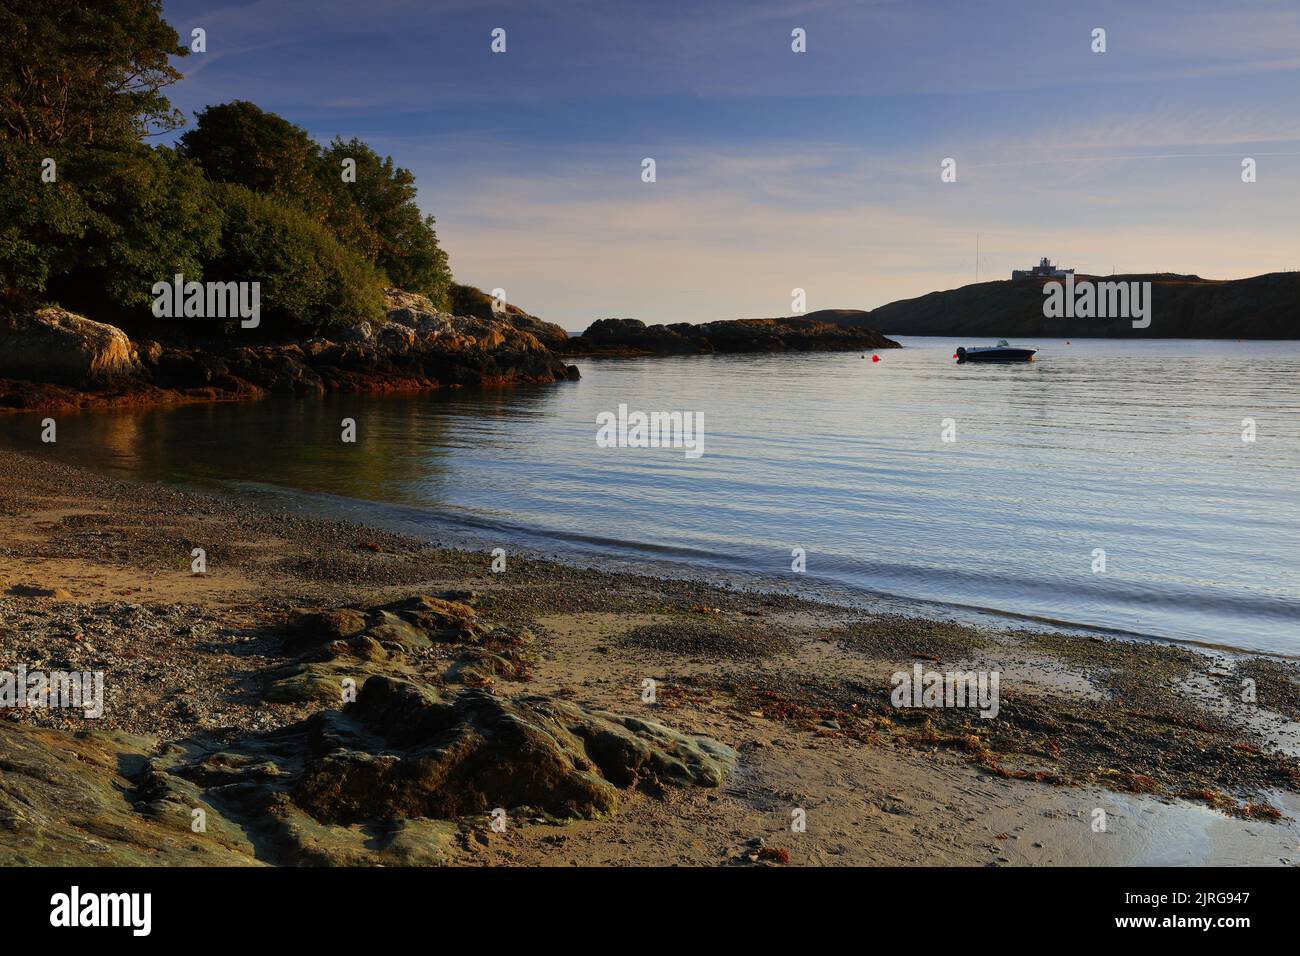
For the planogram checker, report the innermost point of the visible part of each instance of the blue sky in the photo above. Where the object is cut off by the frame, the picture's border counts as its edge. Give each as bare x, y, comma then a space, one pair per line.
777, 170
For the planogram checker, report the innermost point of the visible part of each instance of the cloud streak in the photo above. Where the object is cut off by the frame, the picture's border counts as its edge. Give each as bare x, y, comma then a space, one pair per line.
780, 170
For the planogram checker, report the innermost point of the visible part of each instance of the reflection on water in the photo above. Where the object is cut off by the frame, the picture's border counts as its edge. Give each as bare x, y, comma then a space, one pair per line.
1130, 447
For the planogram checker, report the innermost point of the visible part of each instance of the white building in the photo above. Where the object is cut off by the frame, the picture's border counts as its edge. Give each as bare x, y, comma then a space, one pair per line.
1044, 269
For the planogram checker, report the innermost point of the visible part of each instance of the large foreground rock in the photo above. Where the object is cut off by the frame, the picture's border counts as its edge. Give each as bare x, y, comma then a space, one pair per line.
418, 751
356, 643
396, 778
53, 345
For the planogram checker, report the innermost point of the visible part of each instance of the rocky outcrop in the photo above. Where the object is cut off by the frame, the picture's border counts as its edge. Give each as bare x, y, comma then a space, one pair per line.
53, 345
631, 337
452, 752
403, 774
467, 300
354, 644
416, 347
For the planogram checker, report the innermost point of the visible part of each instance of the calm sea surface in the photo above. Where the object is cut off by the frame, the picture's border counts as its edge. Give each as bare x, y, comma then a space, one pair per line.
1133, 448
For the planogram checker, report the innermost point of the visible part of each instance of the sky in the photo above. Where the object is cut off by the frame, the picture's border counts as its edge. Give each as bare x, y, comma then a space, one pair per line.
777, 170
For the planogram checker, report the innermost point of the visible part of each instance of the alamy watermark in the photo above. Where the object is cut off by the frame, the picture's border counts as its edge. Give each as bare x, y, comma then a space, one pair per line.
626, 429
1098, 300
208, 300
923, 688
74, 908
79, 690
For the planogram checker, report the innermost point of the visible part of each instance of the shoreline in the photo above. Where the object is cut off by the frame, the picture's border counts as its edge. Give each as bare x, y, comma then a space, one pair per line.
637, 558
797, 690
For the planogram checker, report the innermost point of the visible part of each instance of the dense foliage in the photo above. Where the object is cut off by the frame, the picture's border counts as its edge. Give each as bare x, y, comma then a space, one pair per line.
372, 210
75, 72
91, 217
309, 280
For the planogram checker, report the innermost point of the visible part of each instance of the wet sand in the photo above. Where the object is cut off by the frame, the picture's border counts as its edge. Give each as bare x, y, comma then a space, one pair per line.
1155, 739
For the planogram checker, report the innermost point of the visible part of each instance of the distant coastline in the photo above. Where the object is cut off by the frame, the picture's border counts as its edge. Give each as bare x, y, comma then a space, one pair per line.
1183, 307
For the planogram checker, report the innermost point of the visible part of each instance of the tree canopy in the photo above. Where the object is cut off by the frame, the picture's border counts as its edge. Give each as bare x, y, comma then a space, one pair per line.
370, 205
85, 73
91, 216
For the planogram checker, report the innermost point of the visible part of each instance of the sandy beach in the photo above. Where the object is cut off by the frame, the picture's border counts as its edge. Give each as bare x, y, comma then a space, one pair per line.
813, 763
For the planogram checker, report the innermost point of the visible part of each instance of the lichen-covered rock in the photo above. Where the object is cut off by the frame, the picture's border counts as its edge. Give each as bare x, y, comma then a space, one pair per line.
395, 778
349, 643
407, 749
69, 799
470, 301
322, 627
52, 359
53, 345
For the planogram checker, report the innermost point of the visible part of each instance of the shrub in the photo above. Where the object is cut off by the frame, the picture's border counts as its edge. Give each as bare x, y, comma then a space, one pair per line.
310, 282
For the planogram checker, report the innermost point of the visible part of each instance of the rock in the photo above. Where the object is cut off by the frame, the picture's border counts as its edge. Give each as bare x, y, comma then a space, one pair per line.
148, 352
469, 301
35, 590
53, 345
384, 781
279, 369
407, 748
68, 800
322, 627
802, 334
441, 620
416, 347
393, 632
361, 332
359, 643
395, 337
415, 621
478, 668
416, 751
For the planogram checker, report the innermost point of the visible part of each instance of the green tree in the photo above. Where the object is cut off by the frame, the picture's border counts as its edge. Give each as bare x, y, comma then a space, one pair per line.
376, 214
310, 282
114, 221
408, 254
41, 224
76, 72
241, 143
149, 216
81, 84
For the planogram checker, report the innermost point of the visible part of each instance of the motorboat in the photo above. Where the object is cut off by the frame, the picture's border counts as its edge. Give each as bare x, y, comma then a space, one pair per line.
1002, 352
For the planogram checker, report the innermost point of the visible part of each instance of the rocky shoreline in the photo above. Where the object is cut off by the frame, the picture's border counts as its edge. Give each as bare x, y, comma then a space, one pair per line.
629, 338
53, 360
328, 693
